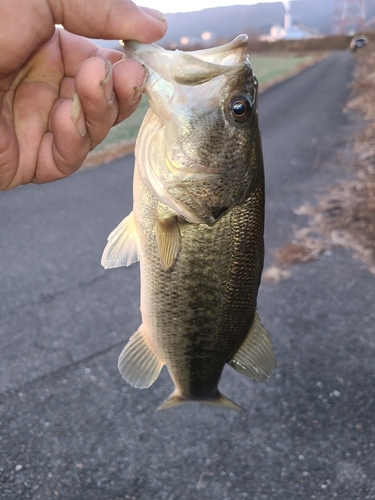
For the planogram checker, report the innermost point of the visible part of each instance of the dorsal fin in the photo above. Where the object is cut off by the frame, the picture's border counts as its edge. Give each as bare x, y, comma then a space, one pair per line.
255, 358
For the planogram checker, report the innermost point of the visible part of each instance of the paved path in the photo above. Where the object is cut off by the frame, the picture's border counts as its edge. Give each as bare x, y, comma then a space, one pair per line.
70, 428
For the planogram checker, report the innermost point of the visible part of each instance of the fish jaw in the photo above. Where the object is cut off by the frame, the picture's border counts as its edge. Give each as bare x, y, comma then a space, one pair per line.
174, 77
228, 54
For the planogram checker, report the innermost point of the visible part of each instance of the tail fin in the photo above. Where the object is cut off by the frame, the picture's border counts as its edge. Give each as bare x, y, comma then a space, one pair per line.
222, 402
176, 399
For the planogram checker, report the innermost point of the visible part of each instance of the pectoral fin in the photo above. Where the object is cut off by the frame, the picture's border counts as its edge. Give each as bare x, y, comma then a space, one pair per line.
169, 241
190, 206
122, 247
138, 363
255, 358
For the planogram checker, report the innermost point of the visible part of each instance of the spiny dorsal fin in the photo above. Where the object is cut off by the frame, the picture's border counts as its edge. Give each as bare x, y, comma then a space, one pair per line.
255, 358
138, 363
122, 247
169, 241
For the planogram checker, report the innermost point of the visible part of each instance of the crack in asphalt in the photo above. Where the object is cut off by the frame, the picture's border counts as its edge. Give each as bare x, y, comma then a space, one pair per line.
50, 297
59, 370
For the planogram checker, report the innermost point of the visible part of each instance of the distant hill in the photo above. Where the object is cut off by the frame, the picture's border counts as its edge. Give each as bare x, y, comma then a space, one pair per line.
224, 22
227, 22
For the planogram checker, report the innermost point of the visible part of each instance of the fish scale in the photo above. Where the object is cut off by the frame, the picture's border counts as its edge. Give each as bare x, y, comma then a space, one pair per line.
197, 225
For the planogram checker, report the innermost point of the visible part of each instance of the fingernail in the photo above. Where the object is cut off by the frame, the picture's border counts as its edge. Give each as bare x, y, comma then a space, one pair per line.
107, 83
77, 115
138, 90
156, 14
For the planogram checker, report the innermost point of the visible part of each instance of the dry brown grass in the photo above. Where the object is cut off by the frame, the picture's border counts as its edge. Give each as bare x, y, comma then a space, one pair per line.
109, 153
345, 213
320, 44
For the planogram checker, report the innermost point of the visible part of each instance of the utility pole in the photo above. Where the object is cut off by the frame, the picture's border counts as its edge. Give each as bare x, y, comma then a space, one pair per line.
337, 13
349, 16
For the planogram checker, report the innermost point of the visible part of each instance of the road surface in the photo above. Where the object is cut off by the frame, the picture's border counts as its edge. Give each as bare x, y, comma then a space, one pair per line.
71, 428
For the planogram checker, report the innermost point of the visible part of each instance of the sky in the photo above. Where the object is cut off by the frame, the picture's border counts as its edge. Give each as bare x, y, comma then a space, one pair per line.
168, 6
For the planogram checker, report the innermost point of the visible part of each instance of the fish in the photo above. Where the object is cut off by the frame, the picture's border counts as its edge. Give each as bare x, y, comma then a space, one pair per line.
197, 224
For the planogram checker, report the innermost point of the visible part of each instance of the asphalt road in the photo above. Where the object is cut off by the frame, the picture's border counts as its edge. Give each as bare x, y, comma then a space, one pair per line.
71, 428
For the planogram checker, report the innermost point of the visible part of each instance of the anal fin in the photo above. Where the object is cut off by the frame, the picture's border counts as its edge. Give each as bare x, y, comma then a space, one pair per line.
122, 247
255, 358
169, 241
138, 363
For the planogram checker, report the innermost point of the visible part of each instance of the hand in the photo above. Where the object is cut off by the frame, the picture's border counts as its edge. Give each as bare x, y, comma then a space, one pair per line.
59, 93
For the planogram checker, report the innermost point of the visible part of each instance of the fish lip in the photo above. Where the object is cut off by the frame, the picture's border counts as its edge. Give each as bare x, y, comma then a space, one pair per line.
206, 64
239, 41
173, 74
130, 46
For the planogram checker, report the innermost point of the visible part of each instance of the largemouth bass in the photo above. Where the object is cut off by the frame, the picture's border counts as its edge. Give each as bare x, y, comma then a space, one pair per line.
197, 224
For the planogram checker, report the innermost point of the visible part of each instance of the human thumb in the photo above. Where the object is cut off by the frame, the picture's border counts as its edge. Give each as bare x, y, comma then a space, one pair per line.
109, 19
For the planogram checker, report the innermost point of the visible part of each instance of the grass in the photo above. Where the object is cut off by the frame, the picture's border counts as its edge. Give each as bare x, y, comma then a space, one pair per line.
267, 68
126, 130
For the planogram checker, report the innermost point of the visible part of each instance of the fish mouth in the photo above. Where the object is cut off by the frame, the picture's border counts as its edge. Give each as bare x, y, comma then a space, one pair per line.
190, 68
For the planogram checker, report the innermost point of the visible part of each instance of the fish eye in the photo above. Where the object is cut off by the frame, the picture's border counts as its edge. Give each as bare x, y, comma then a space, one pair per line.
240, 108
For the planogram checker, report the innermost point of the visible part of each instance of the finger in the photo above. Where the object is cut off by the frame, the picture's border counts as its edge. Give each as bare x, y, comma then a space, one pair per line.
67, 88
76, 129
76, 49
109, 19
94, 86
129, 80
24, 26
63, 150
8, 155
